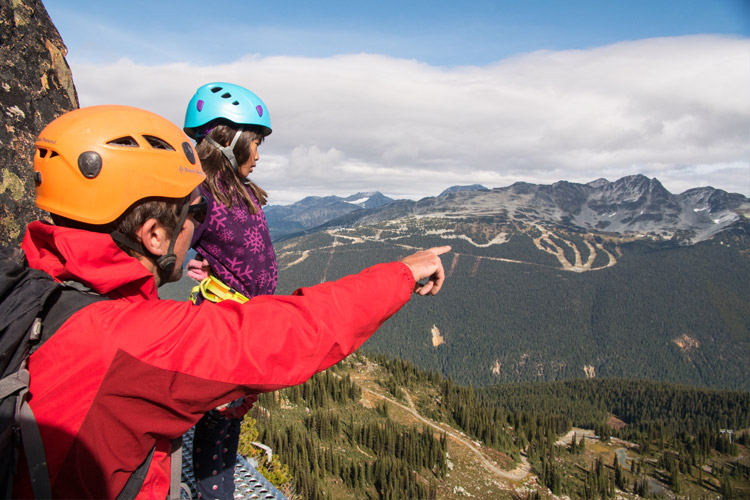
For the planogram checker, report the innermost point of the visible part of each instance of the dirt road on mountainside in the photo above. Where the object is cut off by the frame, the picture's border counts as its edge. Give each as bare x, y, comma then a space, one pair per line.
515, 475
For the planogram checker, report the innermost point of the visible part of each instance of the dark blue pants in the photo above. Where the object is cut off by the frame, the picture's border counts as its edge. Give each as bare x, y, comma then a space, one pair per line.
214, 455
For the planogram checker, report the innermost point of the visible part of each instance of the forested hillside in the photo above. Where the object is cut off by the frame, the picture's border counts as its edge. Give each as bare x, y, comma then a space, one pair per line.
539, 304
375, 427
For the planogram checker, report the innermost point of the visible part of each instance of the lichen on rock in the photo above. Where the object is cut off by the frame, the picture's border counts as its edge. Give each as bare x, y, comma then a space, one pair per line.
36, 86
10, 182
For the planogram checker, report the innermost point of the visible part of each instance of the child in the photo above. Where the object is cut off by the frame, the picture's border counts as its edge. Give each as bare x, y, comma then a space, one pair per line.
233, 244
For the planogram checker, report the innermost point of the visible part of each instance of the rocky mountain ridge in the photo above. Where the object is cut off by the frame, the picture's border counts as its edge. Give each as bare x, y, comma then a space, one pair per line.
631, 206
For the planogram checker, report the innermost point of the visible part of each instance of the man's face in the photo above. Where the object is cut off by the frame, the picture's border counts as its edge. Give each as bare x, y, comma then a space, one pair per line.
184, 237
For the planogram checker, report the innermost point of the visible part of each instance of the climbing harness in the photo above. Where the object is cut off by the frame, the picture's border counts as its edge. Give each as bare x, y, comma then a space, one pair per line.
214, 290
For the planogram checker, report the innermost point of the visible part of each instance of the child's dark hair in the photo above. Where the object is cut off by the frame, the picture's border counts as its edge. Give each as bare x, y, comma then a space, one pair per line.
221, 178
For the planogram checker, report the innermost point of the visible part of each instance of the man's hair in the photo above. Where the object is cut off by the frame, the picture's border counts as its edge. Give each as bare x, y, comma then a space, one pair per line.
221, 179
164, 210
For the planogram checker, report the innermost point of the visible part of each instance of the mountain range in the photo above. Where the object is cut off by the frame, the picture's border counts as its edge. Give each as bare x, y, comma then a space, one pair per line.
315, 210
631, 206
549, 282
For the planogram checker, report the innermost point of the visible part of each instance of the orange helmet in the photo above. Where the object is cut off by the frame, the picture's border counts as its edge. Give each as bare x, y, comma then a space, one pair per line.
91, 164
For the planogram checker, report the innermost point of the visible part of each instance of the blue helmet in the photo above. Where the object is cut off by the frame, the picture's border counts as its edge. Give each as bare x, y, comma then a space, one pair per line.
226, 101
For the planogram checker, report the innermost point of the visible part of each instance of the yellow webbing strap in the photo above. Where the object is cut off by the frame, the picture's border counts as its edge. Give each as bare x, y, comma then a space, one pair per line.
214, 290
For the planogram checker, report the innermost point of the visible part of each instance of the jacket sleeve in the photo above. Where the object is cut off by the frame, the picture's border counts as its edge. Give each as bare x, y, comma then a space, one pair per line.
270, 342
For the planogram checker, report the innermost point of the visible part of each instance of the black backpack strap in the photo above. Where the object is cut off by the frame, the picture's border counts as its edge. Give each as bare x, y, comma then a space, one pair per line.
32, 443
135, 481
9, 435
12, 383
68, 301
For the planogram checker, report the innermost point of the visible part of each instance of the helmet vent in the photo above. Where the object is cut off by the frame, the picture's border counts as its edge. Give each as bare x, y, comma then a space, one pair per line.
127, 141
236, 103
43, 153
226, 95
217, 89
158, 143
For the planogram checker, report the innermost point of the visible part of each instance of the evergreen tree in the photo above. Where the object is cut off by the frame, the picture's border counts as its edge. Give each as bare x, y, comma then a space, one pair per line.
619, 476
727, 492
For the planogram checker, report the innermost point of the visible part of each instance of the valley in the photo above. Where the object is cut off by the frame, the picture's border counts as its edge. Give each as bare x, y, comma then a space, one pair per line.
511, 442
463, 444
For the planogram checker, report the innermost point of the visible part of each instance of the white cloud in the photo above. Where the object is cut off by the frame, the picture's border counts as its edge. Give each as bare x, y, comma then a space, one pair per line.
673, 108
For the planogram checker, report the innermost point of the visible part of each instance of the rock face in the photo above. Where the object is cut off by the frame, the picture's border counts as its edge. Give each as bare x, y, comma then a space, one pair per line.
36, 86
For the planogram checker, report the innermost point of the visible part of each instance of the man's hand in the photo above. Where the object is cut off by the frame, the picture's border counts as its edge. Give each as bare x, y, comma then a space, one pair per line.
427, 264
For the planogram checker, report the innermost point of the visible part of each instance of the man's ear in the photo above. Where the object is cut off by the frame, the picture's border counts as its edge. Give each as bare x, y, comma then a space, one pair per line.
153, 236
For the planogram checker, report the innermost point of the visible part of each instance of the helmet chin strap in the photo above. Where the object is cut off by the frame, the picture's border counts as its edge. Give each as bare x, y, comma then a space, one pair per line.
166, 262
228, 151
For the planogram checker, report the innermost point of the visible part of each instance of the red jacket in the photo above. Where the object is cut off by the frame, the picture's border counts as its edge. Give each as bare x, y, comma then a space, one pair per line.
120, 374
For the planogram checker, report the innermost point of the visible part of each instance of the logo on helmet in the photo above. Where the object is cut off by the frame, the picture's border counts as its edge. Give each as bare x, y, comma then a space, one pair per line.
90, 164
186, 170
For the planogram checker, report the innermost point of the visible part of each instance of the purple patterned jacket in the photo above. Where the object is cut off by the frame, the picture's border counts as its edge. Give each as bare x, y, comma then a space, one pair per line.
238, 246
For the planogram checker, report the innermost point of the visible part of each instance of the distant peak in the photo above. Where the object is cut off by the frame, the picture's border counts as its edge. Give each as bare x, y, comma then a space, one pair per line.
370, 199
366, 194
472, 187
598, 183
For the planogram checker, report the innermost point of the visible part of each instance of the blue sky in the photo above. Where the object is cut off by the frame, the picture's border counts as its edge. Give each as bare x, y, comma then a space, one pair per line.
436, 32
533, 91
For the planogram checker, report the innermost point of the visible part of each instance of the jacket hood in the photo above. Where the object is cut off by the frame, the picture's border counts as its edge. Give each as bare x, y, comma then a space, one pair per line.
92, 259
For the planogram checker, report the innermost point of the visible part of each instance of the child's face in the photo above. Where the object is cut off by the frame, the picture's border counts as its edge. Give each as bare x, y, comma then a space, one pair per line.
247, 167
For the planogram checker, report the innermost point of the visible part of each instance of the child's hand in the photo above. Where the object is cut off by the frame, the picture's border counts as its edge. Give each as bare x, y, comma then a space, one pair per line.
198, 269
239, 411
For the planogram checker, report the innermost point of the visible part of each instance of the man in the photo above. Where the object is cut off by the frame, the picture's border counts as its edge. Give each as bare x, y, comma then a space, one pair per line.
125, 375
